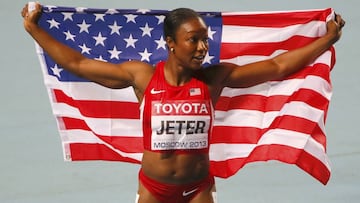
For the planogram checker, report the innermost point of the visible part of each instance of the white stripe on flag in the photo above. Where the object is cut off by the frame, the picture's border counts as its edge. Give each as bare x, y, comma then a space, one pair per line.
245, 34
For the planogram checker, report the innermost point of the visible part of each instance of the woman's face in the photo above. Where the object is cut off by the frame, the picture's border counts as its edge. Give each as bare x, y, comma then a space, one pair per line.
191, 44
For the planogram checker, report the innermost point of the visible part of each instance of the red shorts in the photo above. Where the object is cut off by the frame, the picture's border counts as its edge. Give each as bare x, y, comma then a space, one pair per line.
171, 193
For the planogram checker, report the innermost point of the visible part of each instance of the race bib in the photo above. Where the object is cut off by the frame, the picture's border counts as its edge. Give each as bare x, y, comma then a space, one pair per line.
180, 124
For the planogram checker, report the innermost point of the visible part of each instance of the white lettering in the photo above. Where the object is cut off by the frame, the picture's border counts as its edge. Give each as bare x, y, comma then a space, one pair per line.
157, 107
186, 108
164, 145
196, 106
181, 108
177, 107
167, 108
203, 109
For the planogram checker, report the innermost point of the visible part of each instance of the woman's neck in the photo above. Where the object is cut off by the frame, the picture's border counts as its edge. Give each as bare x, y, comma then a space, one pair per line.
177, 75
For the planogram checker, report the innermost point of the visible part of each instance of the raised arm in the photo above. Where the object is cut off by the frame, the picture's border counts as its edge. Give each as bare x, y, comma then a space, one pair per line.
106, 74
281, 65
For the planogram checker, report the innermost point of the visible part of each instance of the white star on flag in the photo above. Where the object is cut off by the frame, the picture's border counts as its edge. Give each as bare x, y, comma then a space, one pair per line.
100, 58
143, 11
115, 28
84, 27
114, 53
99, 16
146, 30
84, 49
161, 19
130, 18
161, 43
56, 70
130, 41
69, 36
145, 56
208, 58
53, 23
211, 33
80, 9
100, 39
68, 16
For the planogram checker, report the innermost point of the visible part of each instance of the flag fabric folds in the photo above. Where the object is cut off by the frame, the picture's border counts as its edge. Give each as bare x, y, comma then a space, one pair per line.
277, 120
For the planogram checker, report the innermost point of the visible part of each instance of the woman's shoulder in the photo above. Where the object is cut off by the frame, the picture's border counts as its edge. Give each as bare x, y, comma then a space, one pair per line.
134, 64
216, 71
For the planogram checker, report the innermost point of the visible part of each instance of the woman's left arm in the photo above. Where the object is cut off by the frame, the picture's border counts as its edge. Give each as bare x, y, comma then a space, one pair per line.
283, 64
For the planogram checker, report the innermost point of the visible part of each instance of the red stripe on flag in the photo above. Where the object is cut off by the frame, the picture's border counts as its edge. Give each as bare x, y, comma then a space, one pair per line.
318, 69
84, 151
100, 109
124, 143
236, 134
74, 123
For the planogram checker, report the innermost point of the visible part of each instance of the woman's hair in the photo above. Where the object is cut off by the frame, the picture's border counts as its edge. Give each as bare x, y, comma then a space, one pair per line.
177, 17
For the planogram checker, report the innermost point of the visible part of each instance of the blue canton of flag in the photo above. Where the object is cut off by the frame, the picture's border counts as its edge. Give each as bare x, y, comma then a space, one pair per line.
115, 35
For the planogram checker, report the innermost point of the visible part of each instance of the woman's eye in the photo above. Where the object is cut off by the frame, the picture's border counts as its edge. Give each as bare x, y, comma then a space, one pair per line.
192, 39
196, 40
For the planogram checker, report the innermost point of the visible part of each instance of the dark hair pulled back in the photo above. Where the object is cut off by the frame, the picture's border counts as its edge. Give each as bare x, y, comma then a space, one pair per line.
177, 17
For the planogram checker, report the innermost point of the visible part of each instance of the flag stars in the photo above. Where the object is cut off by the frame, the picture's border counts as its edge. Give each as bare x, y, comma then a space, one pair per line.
53, 23
68, 16
130, 18
56, 71
69, 36
161, 43
208, 58
145, 56
100, 58
50, 8
111, 11
115, 28
85, 49
84, 27
99, 39
143, 11
146, 30
160, 18
99, 16
114, 53
80, 9
130, 41
211, 33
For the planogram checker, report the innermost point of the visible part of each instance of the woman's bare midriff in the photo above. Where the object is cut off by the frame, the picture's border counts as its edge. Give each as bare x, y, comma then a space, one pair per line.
175, 168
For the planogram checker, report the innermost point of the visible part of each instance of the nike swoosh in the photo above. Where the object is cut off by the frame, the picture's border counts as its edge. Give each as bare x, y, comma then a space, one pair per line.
153, 91
186, 193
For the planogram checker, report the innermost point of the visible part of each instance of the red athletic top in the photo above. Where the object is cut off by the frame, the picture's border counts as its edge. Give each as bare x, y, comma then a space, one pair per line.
176, 118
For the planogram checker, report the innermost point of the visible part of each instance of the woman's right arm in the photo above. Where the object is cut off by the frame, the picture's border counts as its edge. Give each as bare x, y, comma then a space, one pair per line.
103, 73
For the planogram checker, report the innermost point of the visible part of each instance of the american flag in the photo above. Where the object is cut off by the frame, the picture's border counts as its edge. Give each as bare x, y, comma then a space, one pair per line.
277, 120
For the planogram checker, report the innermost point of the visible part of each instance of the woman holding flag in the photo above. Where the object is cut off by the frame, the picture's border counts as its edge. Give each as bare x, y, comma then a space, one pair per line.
177, 98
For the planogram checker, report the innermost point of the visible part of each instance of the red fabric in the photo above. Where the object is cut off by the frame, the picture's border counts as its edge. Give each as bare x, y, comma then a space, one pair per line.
170, 193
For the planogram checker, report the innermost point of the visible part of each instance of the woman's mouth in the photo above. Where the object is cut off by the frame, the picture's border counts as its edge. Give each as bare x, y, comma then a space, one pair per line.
199, 59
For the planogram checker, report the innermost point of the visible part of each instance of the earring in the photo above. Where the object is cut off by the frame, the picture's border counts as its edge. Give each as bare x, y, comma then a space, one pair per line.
172, 49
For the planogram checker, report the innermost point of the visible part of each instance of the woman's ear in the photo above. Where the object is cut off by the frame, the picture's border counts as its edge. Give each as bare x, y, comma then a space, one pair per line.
170, 43
169, 40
